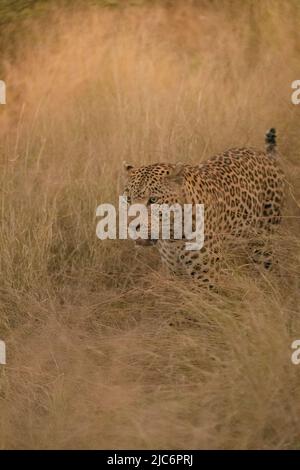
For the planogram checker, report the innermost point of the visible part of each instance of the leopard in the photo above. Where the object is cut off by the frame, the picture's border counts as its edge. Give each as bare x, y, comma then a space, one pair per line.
243, 192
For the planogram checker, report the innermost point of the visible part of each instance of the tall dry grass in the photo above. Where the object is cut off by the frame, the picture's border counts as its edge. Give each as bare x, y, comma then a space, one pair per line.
92, 361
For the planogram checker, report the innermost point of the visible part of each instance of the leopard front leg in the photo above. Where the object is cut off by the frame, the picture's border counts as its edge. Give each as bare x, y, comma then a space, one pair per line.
202, 265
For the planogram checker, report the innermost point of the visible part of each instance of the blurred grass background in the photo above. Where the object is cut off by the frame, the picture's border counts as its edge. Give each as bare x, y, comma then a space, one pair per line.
92, 359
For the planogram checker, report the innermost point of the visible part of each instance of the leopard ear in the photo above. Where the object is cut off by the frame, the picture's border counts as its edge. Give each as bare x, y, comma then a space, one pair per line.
127, 167
176, 173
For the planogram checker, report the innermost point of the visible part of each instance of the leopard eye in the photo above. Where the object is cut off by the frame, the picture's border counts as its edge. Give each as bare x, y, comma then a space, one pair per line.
153, 200
128, 199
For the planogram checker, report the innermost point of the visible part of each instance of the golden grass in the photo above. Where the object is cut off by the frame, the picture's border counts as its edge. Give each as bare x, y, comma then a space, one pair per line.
92, 359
